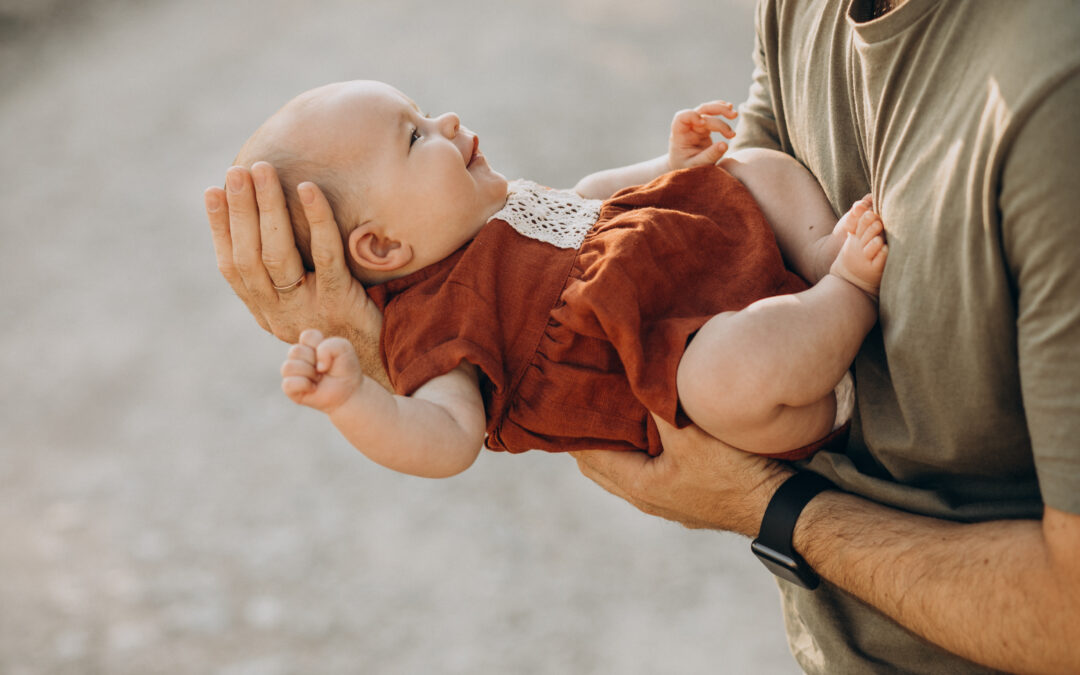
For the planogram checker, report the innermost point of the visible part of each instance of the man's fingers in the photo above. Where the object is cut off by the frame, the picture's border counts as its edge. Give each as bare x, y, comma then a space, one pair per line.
244, 229
628, 476
613, 470
327, 251
217, 213
589, 470
279, 253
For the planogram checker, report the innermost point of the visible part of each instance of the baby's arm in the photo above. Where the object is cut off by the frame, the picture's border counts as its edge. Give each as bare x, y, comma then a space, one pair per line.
436, 432
690, 144
793, 202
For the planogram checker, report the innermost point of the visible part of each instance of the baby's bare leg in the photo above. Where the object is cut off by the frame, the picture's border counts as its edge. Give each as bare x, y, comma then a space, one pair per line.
762, 378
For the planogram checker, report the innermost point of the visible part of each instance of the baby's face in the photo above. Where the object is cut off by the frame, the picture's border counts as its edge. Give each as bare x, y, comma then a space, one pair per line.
424, 180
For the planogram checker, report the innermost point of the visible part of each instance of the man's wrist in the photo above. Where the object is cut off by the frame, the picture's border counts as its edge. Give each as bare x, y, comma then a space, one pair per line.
763, 494
775, 543
802, 538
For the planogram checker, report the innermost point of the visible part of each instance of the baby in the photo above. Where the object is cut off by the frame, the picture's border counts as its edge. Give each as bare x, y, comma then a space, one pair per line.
549, 319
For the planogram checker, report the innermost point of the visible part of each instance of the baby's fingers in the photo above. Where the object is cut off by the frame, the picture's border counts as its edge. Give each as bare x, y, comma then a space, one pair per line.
338, 352
302, 352
717, 125
297, 388
882, 254
712, 154
873, 247
299, 368
717, 108
311, 338
690, 119
298, 376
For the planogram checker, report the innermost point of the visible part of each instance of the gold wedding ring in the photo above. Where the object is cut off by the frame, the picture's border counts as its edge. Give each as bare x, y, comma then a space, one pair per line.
291, 287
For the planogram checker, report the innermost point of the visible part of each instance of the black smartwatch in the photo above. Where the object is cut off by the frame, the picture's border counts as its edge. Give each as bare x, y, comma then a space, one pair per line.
773, 544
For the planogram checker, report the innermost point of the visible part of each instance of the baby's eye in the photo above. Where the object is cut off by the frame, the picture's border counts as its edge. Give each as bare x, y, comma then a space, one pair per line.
414, 137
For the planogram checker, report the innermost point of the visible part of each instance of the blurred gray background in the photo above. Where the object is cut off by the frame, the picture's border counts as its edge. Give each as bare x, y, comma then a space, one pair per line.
164, 508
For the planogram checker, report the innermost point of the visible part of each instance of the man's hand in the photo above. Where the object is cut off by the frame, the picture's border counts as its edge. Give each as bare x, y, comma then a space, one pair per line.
255, 251
691, 141
697, 481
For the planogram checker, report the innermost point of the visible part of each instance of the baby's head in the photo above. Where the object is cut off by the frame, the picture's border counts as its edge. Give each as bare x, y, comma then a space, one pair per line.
407, 189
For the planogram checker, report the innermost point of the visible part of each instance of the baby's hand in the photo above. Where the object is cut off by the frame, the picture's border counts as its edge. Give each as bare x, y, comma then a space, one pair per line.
861, 260
691, 135
321, 373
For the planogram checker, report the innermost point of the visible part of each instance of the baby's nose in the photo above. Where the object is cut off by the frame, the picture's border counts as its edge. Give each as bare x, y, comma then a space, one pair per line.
449, 123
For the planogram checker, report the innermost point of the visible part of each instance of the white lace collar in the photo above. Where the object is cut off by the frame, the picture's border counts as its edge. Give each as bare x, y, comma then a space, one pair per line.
561, 218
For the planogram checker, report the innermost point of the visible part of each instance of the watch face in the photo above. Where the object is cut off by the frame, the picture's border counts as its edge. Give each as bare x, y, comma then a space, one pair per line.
785, 566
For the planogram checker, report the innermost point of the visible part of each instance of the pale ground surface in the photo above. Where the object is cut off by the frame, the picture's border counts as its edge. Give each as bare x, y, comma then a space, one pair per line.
164, 508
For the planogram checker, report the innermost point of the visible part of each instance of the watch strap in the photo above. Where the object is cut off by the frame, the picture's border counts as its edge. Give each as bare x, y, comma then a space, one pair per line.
773, 545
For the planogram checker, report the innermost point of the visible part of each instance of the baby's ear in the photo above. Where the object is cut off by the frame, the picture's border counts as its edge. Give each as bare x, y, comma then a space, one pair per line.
374, 251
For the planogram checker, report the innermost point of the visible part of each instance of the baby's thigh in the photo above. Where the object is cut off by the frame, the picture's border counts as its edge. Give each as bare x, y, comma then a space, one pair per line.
712, 379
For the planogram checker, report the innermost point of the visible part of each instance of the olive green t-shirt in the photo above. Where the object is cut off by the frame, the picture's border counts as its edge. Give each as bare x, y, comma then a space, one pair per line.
960, 117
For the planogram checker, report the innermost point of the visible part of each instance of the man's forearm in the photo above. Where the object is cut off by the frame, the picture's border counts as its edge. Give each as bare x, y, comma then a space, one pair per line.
1002, 593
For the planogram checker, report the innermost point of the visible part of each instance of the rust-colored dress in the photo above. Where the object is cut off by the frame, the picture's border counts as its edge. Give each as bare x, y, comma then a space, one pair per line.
574, 346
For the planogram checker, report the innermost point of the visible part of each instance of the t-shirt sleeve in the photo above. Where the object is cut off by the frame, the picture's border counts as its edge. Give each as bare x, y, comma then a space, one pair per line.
428, 334
1040, 211
757, 127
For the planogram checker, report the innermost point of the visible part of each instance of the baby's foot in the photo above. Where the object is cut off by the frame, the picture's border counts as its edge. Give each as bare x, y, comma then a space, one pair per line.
861, 260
